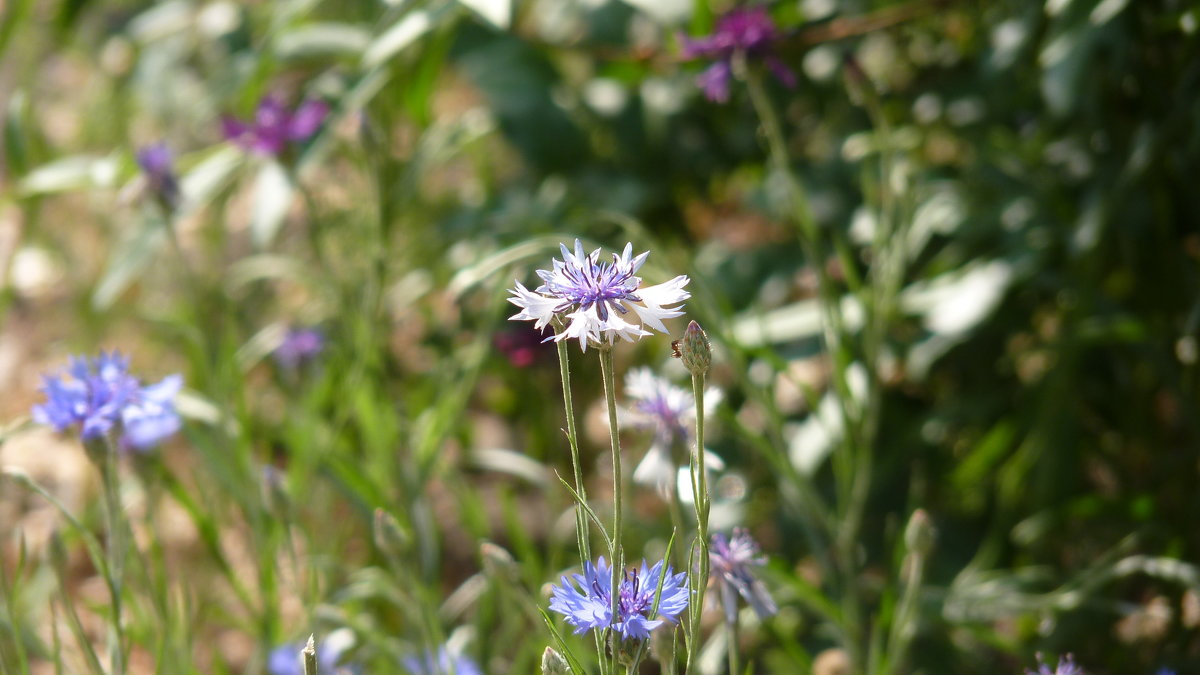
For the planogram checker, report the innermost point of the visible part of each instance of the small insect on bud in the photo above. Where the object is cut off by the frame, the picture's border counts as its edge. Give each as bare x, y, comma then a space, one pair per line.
553, 663
693, 348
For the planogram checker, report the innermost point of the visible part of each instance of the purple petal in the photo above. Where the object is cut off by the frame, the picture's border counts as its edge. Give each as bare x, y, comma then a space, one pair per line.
715, 81
781, 72
307, 120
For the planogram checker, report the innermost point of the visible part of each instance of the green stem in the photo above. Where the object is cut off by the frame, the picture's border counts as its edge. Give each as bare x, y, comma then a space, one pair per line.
581, 523
700, 500
114, 549
734, 648
618, 562
832, 330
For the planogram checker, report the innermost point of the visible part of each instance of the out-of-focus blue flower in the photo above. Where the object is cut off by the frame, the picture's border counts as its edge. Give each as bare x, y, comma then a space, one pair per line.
731, 560
1066, 666
274, 126
299, 346
287, 660
748, 31
157, 164
1165, 671
442, 663
94, 395
594, 298
670, 412
587, 603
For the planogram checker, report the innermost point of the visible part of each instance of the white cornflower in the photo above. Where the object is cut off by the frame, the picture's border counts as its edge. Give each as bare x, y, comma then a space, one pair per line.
669, 411
595, 300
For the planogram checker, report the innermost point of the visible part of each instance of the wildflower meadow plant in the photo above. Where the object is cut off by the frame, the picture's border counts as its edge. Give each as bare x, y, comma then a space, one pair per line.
669, 412
158, 166
441, 662
743, 33
274, 127
588, 602
593, 299
99, 396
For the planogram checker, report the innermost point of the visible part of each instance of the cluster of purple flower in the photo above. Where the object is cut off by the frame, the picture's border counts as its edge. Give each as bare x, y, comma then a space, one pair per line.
749, 33
98, 396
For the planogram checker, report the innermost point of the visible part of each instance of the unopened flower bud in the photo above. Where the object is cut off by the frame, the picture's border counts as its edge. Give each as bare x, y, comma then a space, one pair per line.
390, 537
693, 348
497, 562
553, 663
920, 533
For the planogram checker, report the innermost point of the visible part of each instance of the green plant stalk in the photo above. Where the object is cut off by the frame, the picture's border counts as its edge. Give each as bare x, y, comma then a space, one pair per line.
582, 537
618, 562
104, 453
700, 499
901, 633
832, 330
734, 649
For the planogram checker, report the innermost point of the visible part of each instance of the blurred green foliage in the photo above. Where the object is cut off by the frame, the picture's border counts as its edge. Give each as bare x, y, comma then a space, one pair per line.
1040, 382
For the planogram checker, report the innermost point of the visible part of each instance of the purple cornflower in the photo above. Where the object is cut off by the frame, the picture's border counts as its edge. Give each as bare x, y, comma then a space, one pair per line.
748, 31
441, 663
97, 394
1066, 666
587, 603
669, 411
157, 163
274, 126
299, 346
731, 559
594, 298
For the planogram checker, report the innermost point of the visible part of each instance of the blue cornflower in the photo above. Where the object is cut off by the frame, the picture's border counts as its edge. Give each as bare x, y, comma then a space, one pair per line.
157, 164
441, 663
96, 395
595, 298
1066, 666
731, 559
587, 603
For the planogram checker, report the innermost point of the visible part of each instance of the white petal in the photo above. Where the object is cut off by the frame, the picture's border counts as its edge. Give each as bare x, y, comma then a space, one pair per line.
534, 307
656, 470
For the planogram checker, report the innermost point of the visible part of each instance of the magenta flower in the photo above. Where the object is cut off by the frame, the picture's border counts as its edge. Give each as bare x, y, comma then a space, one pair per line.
747, 31
274, 127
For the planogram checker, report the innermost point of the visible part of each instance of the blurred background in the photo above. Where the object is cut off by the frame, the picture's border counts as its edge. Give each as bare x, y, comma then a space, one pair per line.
1037, 380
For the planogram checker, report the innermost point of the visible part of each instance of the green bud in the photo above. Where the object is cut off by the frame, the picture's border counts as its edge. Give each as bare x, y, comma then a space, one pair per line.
497, 562
553, 663
920, 533
390, 537
693, 348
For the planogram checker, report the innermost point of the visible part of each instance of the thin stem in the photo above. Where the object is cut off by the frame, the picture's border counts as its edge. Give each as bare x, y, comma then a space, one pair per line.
700, 500
832, 331
734, 649
114, 547
618, 562
582, 538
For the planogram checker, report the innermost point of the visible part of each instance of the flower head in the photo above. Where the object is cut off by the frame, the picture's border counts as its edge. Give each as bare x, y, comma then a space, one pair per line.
157, 163
748, 31
299, 346
441, 663
96, 395
1066, 666
274, 126
731, 559
670, 412
595, 299
587, 603
522, 346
